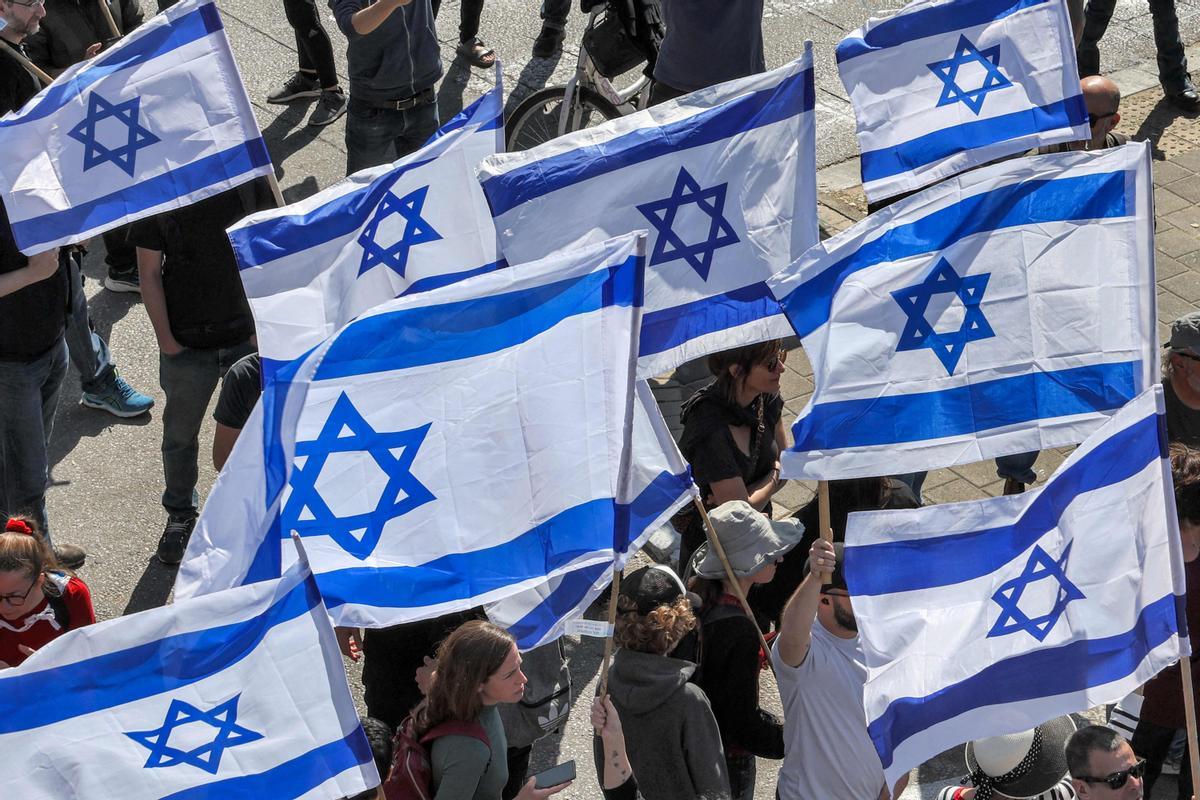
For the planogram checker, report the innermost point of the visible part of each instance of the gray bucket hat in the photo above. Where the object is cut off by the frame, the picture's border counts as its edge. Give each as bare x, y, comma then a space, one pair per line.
1185, 334
750, 539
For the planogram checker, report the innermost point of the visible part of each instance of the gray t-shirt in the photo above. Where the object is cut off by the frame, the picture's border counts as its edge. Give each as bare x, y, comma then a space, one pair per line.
827, 752
464, 768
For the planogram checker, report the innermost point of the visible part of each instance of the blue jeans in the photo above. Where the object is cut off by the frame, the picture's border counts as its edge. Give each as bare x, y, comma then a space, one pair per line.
1172, 63
377, 136
1019, 467
188, 379
89, 352
28, 399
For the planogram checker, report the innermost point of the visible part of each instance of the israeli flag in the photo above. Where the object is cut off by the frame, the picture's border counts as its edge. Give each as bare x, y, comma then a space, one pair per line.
401, 228
241, 694
661, 484
444, 450
159, 121
725, 180
945, 85
1007, 310
989, 617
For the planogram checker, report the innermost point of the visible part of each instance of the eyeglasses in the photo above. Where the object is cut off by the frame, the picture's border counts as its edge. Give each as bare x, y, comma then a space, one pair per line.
776, 360
1093, 118
15, 599
1188, 356
836, 594
35, 3
1116, 780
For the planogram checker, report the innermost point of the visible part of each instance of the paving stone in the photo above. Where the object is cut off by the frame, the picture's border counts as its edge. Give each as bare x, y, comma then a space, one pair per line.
1186, 285
1166, 172
1166, 267
1176, 242
1184, 218
1188, 189
1166, 201
794, 386
954, 491
1172, 307
980, 473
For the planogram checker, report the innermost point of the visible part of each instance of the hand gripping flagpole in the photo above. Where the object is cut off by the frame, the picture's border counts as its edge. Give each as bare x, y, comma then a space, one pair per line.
715, 543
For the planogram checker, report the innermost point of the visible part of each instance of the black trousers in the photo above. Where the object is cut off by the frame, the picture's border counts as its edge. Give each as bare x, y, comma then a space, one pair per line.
468, 21
312, 42
1152, 742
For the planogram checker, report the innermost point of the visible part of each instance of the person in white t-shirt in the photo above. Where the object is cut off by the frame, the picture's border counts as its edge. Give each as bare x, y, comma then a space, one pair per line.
821, 673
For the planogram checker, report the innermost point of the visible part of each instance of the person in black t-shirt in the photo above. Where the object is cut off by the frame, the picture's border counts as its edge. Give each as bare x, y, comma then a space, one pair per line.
194, 298
240, 389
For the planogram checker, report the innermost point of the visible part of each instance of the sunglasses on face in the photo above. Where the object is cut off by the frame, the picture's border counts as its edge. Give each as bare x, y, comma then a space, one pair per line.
1093, 118
1116, 780
1186, 355
776, 361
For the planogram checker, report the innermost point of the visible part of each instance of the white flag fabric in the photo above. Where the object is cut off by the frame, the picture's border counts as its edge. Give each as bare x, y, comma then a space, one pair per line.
944, 85
444, 450
1007, 310
241, 694
989, 617
724, 177
661, 485
422, 222
159, 121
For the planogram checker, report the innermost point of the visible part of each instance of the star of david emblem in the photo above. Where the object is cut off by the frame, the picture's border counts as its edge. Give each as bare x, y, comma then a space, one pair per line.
668, 245
919, 333
967, 53
95, 152
417, 230
222, 718
1040, 566
345, 431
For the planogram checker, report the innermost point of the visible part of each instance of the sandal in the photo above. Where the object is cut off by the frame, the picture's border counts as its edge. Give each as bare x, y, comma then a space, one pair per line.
477, 53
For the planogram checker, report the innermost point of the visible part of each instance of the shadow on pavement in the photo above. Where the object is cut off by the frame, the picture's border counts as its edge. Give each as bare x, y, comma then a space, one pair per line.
534, 76
1156, 122
152, 588
450, 93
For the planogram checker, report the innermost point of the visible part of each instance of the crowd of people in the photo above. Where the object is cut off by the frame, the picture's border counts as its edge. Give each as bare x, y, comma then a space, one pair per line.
681, 716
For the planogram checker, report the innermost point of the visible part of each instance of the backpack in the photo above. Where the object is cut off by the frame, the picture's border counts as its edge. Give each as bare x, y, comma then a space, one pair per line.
411, 773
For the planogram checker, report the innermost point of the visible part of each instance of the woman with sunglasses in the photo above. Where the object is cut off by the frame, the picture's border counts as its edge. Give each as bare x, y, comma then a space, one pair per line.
38, 601
1162, 709
733, 433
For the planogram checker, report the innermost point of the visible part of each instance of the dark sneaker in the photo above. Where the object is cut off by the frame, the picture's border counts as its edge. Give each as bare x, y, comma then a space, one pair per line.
332, 105
174, 539
69, 556
296, 87
1013, 486
549, 42
123, 281
119, 399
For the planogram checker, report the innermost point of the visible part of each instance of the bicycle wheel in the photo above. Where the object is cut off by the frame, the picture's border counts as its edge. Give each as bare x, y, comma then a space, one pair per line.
535, 119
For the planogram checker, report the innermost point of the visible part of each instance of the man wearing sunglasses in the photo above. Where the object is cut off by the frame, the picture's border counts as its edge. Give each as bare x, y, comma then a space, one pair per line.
1103, 766
1181, 380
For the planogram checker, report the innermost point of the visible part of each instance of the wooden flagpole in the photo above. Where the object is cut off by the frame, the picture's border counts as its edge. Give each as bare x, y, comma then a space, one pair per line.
1189, 713
108, 17
612, 624
29, 65
715, 543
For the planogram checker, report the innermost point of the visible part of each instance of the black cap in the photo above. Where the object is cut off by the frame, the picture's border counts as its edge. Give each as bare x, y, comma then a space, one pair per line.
837, 580
651, 587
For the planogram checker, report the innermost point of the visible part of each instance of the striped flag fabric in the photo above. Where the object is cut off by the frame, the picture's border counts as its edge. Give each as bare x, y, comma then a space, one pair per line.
989, 617
159, 121
240, 694
422, 222
723, 178
945, 85
1003, 311
444, 450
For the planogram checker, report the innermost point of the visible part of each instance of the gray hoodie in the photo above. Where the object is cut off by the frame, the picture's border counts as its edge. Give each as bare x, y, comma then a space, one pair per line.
671, 734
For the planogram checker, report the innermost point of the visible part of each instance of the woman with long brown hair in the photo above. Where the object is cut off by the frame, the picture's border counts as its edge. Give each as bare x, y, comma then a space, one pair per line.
478, 667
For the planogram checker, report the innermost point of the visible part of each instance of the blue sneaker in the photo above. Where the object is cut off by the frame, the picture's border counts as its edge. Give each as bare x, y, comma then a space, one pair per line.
119, 399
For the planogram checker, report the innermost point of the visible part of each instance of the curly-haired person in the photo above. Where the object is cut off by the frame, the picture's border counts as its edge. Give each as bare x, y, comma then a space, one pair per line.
671, 735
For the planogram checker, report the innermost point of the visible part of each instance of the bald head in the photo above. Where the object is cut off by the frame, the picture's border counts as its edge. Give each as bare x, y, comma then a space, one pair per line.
1103, 99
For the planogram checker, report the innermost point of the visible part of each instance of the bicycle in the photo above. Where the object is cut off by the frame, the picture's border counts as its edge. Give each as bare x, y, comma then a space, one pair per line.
589, 98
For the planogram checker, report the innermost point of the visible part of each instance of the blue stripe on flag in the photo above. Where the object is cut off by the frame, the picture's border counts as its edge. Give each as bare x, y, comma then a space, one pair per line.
906, 28
1072, 199
791, 97
984, 406
145, 194
144, 670
446, 278
453, 331
572, 590
1061, 670
666, 328
918, 564
567, 536
940, 144
292, 778
146, 46
282, 236
463, 117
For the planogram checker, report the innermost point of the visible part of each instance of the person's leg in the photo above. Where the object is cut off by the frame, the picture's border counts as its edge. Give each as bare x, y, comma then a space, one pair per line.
1172, 63
468, 25
741, 776
370, 133
518, 768
1151, 742
1184, 780
121, 259
1096, 16
555, 12
188, 379
419, 124
89, 352
661, 93
1017, 468
914, 481
312, 42
554, 28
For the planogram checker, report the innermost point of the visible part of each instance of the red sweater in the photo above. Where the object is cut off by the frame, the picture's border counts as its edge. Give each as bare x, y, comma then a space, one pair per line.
40, 626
